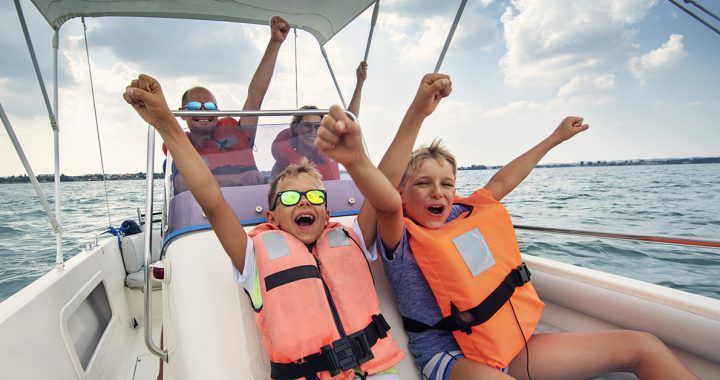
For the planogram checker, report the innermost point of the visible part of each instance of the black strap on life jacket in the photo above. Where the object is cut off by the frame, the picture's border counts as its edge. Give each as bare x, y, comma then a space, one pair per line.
289, 275
344, 354
465, 320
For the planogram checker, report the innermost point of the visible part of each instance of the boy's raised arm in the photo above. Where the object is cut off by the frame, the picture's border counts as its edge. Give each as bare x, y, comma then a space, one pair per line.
507, 178
146, 97
433, 87
279, 29
341, 139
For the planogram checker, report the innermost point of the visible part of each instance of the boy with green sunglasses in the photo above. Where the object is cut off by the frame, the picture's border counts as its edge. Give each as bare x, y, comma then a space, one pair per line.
296, 266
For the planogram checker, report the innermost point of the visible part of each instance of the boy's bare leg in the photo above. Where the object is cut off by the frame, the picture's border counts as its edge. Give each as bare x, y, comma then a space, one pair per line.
583, 355
466, 369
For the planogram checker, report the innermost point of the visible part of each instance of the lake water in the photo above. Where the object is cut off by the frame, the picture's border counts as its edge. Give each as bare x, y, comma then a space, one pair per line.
664, 200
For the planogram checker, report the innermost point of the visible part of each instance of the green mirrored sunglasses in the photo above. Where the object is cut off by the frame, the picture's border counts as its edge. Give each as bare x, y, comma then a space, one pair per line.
292, 197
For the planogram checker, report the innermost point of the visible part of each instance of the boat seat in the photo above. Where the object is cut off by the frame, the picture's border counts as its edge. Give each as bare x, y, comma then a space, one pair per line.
209, 325
250, 203
132, 254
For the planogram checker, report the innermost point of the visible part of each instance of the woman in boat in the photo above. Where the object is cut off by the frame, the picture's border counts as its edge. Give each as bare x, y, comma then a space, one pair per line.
296, 143
456, 272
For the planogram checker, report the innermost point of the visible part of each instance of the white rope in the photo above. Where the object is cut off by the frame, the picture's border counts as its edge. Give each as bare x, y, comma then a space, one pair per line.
97, 126
296, 74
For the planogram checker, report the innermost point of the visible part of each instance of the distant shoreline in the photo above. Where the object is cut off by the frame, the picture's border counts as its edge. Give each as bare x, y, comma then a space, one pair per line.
140, 175
78, 178
658, 161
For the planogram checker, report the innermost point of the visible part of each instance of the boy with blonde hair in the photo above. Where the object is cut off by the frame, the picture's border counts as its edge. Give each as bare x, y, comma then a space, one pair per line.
458, 279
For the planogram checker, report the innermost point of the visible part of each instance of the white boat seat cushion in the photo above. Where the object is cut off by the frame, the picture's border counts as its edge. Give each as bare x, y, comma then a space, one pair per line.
132, 254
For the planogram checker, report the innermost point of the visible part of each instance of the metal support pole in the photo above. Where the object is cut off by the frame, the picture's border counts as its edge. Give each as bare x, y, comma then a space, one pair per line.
28, 41
28, 169
372, 28
450, 35
59, 259
695, 3
696, 17
332, 74
149, 177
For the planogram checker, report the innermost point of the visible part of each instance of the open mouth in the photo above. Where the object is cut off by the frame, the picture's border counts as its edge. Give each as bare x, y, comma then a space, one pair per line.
304, 220
436, 210
202, 120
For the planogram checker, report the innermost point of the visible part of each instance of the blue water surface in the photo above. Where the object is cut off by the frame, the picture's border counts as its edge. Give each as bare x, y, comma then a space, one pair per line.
664, 200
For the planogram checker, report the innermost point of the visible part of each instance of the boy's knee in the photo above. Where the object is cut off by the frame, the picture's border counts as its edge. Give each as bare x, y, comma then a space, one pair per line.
646, 347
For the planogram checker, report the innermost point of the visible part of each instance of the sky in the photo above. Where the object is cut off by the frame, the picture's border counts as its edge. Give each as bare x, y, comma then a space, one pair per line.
642, 73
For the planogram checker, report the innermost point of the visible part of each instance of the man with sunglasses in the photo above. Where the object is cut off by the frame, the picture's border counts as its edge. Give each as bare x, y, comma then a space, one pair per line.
226, 144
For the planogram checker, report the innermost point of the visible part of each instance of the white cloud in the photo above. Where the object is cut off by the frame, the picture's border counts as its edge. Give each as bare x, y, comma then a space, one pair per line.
428, 36
630, 11
588, 89
548, 43
418, 37
666, 56
520, 107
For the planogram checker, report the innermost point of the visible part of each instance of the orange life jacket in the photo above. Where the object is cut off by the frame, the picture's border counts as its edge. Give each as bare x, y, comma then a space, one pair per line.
320, 313
285, 154
228, 150
473, 266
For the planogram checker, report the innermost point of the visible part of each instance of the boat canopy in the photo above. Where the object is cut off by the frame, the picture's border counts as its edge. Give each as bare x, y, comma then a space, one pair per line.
321, 18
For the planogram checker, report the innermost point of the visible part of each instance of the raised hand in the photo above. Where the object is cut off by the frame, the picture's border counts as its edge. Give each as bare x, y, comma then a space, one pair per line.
433, 87
279, 29
146, 97
339, 138
569, 127
361, 71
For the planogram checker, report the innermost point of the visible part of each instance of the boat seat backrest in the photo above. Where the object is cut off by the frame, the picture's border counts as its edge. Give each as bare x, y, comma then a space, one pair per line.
134, 260
250, 204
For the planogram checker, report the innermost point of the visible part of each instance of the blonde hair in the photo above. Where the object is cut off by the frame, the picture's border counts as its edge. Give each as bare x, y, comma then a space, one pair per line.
292, 171
436, 151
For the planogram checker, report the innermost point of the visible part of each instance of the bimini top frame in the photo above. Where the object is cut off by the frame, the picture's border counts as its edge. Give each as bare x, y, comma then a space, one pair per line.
321, 18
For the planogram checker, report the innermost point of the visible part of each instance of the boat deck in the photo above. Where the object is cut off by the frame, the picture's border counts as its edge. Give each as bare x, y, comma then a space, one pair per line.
143, 365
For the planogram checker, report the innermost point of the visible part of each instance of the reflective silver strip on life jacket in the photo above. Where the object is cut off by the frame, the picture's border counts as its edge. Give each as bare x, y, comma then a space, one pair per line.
474, 251
337, 237
276, 245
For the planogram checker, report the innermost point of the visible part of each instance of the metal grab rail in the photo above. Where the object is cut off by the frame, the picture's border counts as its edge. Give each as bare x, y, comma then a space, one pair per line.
150, 176
185, 113
613, 235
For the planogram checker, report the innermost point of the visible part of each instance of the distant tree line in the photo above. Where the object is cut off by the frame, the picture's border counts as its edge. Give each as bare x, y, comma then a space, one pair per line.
77, 178
659, 161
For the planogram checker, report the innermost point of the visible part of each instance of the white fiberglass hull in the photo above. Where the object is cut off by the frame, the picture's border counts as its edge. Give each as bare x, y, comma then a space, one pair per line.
209, 329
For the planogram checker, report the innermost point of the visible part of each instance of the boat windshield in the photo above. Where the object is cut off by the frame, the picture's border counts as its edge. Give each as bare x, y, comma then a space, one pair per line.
244, 171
